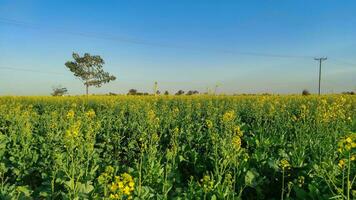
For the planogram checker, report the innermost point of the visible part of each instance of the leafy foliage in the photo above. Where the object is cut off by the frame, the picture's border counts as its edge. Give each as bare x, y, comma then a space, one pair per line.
180, 92
178, 147
89, 69
305, 92
59, 91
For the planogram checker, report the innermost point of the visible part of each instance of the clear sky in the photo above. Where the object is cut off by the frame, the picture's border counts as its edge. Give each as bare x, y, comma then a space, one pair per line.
243, 46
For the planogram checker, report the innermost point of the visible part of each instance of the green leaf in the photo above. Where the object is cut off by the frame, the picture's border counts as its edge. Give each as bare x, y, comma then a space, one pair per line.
85, 188
250, 177
181, 158
24, 190
213, 197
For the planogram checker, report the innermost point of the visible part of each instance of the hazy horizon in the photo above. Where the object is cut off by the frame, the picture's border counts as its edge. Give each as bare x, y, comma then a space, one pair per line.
244, 47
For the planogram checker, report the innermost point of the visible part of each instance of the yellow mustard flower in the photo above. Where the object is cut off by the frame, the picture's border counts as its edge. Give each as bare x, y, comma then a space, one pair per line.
236, 140
90, 113
347, 143
348, 140
127, 190
284, 164
353, 157
341, 163
114, 196
228, 116
237, 130
70, 114
131, 184
209, 123
73, 130
123, 186
151, 115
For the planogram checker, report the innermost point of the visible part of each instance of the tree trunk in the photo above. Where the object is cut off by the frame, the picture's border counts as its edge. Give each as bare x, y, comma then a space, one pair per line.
87, 89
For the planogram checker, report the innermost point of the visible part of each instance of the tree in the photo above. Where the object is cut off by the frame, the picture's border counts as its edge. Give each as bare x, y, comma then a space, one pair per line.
180, 92
192, 92
155, 89
132, 92
166, 93
90, 70
112, 94
305, 92
349, 93
59, 91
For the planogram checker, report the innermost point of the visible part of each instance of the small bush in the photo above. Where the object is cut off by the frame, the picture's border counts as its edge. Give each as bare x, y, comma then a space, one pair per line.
305, 92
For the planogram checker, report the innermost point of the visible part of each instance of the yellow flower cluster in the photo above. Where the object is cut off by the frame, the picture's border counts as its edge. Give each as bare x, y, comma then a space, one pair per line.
70, 114
345, 147
284, 164
73, 130
228, 116
237, 131
209, 123
124, 185
342, 163
304, 112
347, 143
90, 113
207, 183
236, 140
337, 110
151, 115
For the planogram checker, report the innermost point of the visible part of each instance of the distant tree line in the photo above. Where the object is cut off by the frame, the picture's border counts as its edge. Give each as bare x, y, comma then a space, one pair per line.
179, 92
349, 93
135, 92
59, 91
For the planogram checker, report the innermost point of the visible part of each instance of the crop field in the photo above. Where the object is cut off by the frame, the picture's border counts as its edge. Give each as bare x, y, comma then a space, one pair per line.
178, 147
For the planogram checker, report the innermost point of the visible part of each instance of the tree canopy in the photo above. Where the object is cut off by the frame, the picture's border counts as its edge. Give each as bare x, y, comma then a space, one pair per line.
59, 91
89, 68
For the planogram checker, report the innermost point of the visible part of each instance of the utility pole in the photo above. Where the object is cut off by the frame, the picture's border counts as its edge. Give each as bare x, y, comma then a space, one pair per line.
216, 88
155, 88
320, 60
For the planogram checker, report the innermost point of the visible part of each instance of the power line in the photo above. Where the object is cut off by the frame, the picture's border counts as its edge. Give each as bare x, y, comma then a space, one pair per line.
141, 42
31, 70
342, 62
66, 31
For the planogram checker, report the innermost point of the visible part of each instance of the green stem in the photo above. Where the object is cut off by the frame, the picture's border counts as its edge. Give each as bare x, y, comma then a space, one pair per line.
140, 175
343, 182
348, 177
282, 194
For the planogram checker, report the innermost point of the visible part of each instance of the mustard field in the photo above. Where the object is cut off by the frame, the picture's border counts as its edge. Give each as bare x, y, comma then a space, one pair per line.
178, 147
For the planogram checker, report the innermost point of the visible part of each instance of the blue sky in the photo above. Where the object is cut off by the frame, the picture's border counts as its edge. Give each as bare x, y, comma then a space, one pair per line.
181, 44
